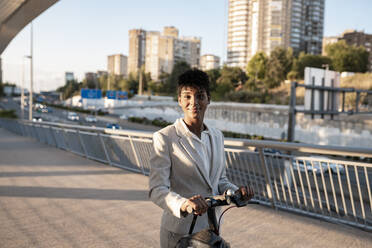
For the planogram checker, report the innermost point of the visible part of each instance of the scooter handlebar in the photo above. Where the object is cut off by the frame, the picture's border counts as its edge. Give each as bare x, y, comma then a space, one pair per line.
223, 200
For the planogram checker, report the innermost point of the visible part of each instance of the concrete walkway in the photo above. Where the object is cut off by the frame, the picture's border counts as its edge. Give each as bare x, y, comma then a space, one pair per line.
53, 198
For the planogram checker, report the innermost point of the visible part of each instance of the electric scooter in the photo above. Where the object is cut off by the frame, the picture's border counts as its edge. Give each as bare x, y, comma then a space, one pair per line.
211, 237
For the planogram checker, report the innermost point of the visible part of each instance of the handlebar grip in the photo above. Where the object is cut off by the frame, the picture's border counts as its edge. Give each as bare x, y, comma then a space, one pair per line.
189, 209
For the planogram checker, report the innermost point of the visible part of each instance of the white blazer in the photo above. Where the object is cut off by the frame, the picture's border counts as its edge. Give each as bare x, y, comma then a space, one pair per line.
177, 173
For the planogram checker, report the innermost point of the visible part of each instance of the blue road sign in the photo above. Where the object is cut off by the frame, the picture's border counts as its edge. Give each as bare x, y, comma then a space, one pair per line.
122, 95
111, 94
91, 93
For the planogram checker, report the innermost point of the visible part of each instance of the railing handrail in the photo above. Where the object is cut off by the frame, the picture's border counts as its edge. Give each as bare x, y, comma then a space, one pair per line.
301, 147
124, 132
236, 142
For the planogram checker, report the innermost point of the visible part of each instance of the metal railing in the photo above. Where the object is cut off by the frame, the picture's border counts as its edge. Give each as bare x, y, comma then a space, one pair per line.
281, 174
328, 107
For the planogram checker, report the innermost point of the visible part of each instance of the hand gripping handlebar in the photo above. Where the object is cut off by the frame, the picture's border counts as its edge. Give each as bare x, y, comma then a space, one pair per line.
225, 199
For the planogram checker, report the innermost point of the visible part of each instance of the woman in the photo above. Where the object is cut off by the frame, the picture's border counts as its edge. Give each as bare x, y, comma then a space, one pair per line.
188, 163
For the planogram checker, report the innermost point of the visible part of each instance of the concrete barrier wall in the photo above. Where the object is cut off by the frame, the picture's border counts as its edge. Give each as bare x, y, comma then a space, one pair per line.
267, 120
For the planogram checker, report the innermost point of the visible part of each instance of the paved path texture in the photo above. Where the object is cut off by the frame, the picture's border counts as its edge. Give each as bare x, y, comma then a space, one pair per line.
53, 198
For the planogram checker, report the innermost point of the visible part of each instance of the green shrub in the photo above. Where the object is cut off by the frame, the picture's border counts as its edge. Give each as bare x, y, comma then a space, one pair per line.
156, 122
229, 134
160, 123
8, 113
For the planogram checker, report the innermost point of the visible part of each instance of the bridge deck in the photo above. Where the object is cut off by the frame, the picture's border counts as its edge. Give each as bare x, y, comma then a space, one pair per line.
53, 198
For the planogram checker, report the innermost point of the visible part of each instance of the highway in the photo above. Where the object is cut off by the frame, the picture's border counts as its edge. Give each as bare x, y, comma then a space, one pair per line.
60, 115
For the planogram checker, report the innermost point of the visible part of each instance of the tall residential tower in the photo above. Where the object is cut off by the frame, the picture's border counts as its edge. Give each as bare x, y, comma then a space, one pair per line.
164, 50
137, 50
262, 25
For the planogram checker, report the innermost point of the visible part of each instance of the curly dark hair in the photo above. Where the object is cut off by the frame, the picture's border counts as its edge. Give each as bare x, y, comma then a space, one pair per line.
193, 78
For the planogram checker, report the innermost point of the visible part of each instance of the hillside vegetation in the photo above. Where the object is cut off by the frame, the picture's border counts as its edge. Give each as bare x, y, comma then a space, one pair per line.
358, 81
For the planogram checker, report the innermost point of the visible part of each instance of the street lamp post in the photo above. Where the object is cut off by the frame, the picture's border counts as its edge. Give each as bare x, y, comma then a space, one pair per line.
324, 82
22, 89
31, 77
108, 81
23, 86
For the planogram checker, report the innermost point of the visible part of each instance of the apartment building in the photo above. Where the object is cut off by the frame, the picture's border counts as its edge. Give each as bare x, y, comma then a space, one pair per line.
352, 37
262, 25
69, 76
164, 50
209, 62
117, 64
137, 50
327, 41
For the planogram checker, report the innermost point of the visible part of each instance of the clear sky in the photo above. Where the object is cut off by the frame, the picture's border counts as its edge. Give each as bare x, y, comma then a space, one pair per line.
77, 35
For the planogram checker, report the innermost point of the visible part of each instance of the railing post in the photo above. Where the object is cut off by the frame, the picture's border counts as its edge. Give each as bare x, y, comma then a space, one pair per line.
54, 137
26, 129
292, 113
343, 101
36, 133
332, 98
269, 186
104, 149
68, 148
312, 97
135, 155
357, 102
82, 143
321, 105
23, 130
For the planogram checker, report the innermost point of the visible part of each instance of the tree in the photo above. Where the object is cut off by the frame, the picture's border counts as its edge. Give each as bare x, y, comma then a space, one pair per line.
278, 66
347, 58
221, 90
102, 82
129, 84
308, 60
112, 82
147, 80
90, 83
230, 78
213, 75
257, 66
71, 88
160, 86
256, 70
171, 82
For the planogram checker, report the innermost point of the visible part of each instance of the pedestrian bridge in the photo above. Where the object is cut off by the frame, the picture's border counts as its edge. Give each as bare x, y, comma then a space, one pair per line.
54, 198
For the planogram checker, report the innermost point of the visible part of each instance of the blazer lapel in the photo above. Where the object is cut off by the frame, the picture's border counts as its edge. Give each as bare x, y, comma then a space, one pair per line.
191, 151
214, 156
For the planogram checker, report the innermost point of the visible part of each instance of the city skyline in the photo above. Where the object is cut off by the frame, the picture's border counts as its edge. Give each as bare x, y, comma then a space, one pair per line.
78, 36
263, 25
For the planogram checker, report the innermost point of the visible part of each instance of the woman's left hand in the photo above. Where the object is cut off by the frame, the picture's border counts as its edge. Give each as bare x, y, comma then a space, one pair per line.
246, 192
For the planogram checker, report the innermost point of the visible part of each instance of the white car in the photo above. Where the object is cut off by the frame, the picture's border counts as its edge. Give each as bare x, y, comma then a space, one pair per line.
37, 119
302, 165
90, 118
317, 164
332, 164
72, 116
123, 117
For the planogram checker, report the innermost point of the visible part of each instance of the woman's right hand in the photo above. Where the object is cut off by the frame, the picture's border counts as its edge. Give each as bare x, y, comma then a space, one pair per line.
197, 203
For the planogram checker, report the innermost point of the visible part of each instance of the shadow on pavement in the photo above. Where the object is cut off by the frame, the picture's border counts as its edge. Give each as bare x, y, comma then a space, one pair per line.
61, 173
73, 193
